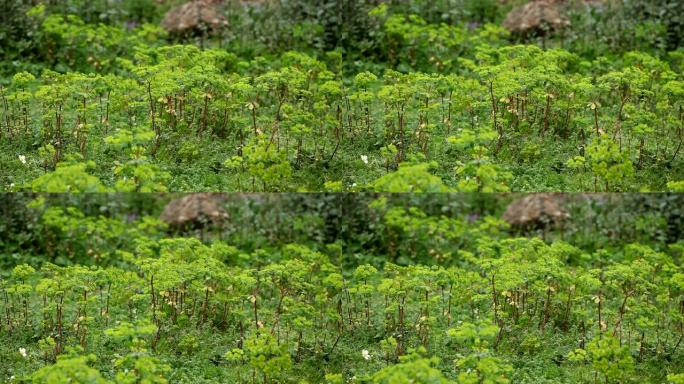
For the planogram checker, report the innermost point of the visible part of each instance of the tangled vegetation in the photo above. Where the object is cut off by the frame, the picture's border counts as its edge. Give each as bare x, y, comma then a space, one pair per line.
458, 110
456, 299
421, 125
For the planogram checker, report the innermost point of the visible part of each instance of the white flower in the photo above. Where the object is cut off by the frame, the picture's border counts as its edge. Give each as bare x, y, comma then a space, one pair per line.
22, 158
23, 353
365, 354
364, 158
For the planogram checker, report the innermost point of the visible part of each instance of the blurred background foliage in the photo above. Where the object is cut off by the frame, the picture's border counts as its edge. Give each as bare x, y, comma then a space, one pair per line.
355, 28
92, 229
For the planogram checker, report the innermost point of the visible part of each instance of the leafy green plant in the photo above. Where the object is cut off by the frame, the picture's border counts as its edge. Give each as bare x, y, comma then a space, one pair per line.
411, 368
75, 369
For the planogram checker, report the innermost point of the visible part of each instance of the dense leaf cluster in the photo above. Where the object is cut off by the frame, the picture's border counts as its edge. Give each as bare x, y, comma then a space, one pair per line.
492, 306
511, 117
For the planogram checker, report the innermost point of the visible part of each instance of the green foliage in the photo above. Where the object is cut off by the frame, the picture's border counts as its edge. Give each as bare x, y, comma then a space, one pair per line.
295, 306
610, 166
479, 366
139, 175
266, 356
418, 97
506, 117
69, 177
676, 186
267, 165
410, 177
610, 359
412, 368
70, 369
